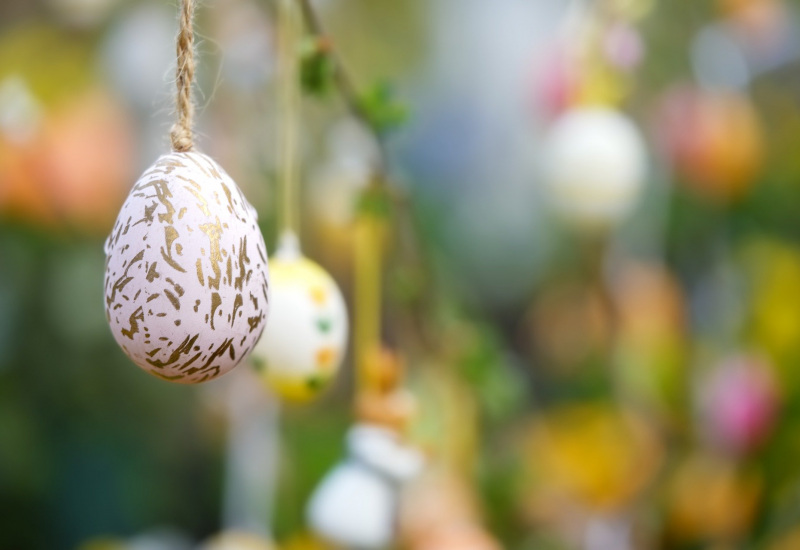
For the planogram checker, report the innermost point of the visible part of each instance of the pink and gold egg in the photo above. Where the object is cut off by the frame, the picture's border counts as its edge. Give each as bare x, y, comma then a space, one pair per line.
186, 283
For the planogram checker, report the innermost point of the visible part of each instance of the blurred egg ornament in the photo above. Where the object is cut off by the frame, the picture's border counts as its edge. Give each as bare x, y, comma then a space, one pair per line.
377, 466
305, 345
711, 497
739, 403
186, 282
715, 140
595, 165
85, 188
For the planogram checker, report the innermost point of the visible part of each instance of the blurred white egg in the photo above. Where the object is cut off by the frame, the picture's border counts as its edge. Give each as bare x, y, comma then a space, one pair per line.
595, 165
307, 337
378, 465
186, 283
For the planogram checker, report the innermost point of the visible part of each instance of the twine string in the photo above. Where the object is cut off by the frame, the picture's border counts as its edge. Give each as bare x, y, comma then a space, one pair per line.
181, 133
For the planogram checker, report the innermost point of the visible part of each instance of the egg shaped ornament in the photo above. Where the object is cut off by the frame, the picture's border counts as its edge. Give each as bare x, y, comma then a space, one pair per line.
187, 281
303, 349
595, 166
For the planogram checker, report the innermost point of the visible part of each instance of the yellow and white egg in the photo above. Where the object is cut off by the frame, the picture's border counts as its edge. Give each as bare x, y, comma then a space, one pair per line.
187, 281
303, 349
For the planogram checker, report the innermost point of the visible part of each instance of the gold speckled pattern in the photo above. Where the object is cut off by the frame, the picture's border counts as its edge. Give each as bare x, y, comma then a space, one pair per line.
186, 283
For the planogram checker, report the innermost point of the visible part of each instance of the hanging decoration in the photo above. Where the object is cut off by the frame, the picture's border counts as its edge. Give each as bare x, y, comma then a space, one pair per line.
714, 139
596, 165
595, 157
186, 282
305, 345
379, 462
309, 318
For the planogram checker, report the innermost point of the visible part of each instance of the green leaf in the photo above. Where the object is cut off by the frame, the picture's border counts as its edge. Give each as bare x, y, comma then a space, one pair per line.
316, 67
382, 108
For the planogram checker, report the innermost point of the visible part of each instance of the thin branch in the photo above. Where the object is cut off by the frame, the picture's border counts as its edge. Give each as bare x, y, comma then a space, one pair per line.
341, 77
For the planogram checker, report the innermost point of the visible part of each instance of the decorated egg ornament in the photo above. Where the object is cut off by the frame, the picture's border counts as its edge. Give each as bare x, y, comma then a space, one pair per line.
307, 337
596, 165
186, 282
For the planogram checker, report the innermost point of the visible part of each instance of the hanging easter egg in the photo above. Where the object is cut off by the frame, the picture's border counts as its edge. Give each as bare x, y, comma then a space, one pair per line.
712, 497
739, 404
595, 165
303, 349
377, 467
186, 283
715, 141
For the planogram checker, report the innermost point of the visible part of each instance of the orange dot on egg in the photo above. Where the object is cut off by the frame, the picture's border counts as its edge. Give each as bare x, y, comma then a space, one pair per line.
326, 357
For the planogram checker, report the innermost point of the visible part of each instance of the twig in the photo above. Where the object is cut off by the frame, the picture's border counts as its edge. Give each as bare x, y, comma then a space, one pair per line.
341, 78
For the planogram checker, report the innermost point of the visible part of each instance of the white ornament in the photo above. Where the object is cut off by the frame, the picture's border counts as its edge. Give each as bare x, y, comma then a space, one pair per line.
356, 504
595, 165
305, 344
186, 282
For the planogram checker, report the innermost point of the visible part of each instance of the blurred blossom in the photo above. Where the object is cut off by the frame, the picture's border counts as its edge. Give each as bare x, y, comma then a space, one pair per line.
59, 175
86, 188
715, 141
20, 111
739, 404
22, 192
711, 499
